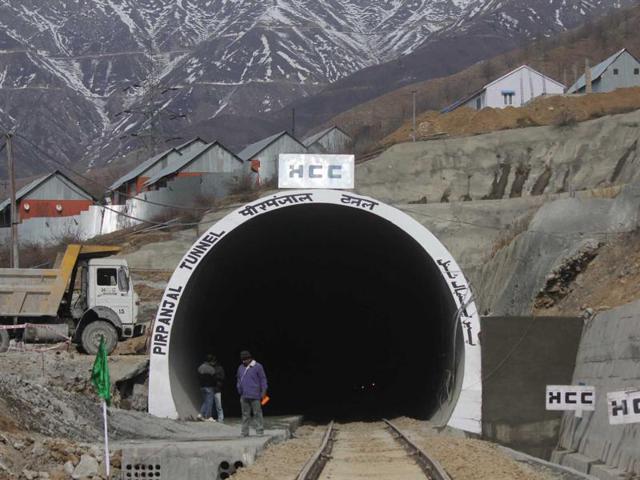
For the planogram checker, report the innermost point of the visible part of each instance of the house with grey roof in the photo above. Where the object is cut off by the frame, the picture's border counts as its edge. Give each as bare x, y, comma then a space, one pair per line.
50, 196
214, 158
620, 70
133, 182
330, 140
262, 156
513, 89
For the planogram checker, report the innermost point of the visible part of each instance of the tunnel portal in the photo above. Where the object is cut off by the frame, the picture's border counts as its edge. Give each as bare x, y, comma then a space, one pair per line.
355, 310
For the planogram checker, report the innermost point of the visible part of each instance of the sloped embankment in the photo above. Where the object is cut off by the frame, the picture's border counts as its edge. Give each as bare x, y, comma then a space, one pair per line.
508, 164
565, 237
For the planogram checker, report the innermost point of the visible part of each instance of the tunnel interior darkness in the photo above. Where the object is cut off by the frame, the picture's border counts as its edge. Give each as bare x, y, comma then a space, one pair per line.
349, 315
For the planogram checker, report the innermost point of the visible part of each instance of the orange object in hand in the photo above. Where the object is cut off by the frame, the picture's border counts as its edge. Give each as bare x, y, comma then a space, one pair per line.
265, 400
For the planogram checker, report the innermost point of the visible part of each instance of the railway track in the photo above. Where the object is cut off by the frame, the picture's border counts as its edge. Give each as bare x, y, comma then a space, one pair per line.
375, 450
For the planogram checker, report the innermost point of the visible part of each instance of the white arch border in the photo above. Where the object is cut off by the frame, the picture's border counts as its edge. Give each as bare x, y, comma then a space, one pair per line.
467, 414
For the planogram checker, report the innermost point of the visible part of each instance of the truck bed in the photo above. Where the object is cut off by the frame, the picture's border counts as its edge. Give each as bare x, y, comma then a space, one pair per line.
30, 292
26, 292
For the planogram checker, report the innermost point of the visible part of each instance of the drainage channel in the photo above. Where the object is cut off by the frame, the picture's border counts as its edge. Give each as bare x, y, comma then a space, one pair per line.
371, 450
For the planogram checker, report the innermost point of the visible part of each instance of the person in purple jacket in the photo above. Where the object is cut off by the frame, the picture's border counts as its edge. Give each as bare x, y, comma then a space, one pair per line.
252, 387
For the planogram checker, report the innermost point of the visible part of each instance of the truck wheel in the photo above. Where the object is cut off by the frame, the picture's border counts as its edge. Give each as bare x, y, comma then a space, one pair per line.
90, 339
4, 341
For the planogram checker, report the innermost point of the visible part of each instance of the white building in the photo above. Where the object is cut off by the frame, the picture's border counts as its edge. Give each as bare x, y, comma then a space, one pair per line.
514, 89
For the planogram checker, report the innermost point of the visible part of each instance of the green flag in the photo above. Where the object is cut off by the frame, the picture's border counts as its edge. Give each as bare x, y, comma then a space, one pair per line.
100, 374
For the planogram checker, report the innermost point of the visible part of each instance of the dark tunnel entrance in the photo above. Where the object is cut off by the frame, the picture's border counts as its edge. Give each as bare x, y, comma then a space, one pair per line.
350, 316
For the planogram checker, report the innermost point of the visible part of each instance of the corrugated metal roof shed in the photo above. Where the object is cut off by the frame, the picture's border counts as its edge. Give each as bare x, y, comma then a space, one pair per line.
137, 171
21, 193
462, 101
250, 151
186, 144
253, 149
596, 72
183, 162
314, 138
140, 169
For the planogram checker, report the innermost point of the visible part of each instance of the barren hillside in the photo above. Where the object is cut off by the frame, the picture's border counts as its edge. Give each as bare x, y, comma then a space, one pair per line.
556, 110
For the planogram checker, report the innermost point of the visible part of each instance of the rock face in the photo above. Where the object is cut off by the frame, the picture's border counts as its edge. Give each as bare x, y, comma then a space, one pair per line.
69, 68
561, 235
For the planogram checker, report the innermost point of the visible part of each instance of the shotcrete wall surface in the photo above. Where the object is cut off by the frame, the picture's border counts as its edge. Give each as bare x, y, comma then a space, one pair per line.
520, 357
507, 163
355, 309
609, 359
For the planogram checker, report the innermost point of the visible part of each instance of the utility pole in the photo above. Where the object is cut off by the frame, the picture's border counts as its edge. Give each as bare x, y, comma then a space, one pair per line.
150, 131
414, 115
293, 122
587, 77
15, 255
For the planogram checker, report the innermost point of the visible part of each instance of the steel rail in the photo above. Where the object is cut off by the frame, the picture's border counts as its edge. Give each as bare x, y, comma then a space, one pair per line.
429, 466
314, 466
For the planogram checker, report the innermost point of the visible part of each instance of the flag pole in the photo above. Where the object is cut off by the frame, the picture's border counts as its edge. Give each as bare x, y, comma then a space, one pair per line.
106, 439
102, 383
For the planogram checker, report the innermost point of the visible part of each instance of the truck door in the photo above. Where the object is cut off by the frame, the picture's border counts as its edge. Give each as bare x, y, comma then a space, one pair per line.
113, 290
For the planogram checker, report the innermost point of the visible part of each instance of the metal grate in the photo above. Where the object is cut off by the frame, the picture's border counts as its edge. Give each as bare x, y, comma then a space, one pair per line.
147, 471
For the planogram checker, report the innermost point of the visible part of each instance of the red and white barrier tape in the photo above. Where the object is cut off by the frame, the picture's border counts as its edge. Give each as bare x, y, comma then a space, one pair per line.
34, 325
66, 340
13, 327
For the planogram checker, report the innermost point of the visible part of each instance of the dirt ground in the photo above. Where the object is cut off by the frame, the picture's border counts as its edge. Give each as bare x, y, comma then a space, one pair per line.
554, 110
611, 279
466, 458
39, 437
368, 451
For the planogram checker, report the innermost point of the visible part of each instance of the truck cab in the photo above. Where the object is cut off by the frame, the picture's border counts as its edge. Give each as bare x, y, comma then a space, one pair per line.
110, 286
110, 305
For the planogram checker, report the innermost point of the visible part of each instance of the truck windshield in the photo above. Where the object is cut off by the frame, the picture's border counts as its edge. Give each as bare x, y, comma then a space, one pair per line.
123, 279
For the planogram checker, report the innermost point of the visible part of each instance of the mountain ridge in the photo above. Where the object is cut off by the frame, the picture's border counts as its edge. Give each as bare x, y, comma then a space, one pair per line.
90, 81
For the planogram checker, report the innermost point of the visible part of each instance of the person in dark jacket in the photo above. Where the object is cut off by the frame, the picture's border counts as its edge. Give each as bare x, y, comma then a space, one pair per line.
211, 376
252, 387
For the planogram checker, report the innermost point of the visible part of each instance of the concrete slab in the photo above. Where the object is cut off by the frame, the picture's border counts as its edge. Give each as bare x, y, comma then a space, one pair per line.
201, 458
604, 472
554, 468
193, 460
578, 462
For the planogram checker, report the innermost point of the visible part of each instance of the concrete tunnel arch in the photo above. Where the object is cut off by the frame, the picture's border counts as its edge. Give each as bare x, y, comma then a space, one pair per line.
351, 305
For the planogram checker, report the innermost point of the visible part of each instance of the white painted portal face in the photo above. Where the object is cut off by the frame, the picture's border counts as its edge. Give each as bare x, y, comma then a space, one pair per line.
466, 408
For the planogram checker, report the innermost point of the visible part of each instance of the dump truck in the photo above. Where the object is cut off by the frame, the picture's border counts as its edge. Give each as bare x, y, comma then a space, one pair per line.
84, 297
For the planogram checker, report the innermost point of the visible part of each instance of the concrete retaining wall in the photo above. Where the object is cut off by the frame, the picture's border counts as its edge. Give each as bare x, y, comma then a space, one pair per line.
520, 356
609, 359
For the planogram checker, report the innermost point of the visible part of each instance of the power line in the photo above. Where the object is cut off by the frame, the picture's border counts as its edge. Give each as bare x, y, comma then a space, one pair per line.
89, 179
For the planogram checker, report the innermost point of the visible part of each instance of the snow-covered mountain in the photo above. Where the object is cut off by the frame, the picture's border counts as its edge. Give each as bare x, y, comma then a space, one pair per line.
82, 78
